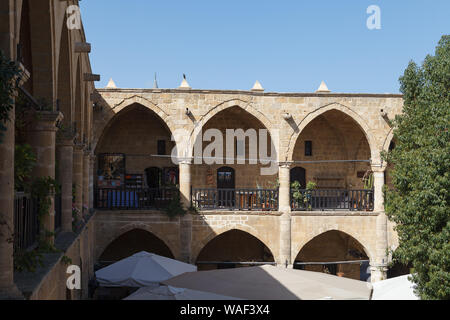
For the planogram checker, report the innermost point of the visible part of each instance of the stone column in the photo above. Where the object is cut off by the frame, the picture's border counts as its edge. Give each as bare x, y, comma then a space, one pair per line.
92, 160
8, 289
65, 160
78, 178
185, 238
86, 168
285, 218
284, 176
185, 181
42, 138
379, 266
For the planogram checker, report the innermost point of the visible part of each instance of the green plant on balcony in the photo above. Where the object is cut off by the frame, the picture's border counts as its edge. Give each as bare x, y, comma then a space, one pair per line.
307, 198
175, 208
368, 186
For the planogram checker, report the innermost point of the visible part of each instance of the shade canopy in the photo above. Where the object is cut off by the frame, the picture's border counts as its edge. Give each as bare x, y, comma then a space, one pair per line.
141, 270
273, 283
173, 293
398, 288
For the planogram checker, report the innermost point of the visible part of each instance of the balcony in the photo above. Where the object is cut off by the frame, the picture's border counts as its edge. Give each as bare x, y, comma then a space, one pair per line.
235, 199
134, 198
333, 199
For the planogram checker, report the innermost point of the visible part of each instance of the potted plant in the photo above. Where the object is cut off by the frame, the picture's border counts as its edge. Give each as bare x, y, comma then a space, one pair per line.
368, 186
310, 186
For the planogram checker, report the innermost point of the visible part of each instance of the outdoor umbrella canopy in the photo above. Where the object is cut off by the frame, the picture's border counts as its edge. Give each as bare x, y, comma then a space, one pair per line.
142, 269
273, 283
398, 288
172, 293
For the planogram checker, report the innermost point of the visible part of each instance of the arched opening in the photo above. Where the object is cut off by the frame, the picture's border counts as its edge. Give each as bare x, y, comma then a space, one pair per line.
64, 77
234, 138
78, 107
24, 54
134, 164
328, 253
44, 79
132, 242
334, 152
231, 248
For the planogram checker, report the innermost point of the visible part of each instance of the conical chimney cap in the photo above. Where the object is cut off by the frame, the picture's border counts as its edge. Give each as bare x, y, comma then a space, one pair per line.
257, 86
111, 84
323, 87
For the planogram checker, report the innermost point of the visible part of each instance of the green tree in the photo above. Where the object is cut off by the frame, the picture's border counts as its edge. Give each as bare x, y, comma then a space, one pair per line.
419, 201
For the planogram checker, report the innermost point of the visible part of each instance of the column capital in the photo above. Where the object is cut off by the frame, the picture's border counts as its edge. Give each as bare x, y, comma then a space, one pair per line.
78, 147
285, 164
65, 137
46, 121
185, 160
378, 167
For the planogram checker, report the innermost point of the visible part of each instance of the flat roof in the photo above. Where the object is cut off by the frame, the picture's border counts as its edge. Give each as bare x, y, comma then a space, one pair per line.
254, 93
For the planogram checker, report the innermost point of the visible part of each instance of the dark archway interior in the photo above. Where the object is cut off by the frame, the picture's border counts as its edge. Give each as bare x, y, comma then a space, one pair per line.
334, 246
233, 246
132, 242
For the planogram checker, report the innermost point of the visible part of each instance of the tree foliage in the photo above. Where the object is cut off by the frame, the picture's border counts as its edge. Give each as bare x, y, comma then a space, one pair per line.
9, 71
419, 202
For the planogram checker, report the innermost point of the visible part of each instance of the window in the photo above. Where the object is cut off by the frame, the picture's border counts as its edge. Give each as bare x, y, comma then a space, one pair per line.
308, 148
161, 147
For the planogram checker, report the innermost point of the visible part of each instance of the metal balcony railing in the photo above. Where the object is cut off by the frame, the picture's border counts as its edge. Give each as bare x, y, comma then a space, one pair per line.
134, 198
235, 199
332, 199
26, 222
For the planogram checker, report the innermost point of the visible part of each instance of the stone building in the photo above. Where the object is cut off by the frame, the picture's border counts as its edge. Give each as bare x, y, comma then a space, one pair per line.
54, 102
114, 148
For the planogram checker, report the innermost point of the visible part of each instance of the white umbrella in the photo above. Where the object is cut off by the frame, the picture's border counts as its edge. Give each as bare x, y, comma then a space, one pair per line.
398, 288
141, 270
273, 283
173, 293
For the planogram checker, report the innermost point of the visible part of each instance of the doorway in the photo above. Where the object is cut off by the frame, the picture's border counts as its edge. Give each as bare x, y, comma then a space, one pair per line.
225, 187
299, 174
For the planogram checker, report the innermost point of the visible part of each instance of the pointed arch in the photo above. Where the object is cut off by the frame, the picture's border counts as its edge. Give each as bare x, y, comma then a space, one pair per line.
136, 226
200, 245
43, 47
109, 115
341, 108
368, 250
100, 134
64, 80
244, 105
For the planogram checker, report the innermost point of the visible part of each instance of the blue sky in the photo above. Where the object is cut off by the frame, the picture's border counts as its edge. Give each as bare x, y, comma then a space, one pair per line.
289, 46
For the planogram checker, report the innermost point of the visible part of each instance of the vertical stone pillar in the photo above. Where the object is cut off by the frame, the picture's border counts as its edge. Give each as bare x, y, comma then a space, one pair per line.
284, 176
78, 178
285, 218
185, 181
65, 160
8, 289
379, 266
86, 166
185, 238
42, 138
92, 159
